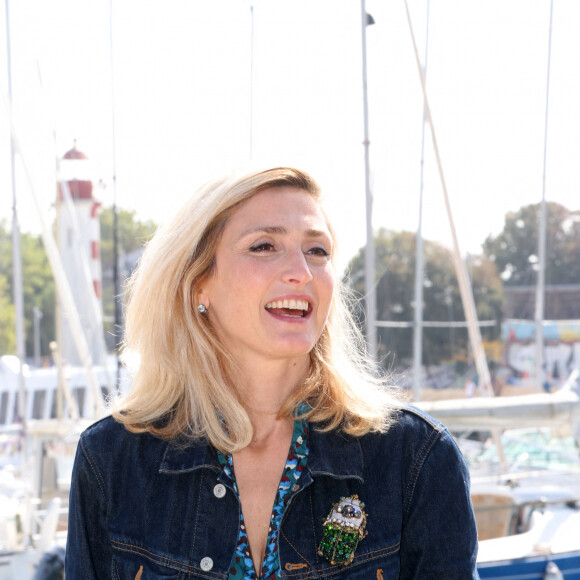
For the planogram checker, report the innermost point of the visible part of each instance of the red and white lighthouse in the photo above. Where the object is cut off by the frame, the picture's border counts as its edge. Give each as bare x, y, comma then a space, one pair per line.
79, 241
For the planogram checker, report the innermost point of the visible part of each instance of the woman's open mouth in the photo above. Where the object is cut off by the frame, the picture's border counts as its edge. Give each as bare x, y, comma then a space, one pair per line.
289, 308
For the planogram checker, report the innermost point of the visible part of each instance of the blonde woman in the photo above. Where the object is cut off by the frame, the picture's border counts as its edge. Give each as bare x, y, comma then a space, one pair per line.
255, 441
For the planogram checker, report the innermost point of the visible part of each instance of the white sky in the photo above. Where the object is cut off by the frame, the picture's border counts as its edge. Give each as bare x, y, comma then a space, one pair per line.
183, 91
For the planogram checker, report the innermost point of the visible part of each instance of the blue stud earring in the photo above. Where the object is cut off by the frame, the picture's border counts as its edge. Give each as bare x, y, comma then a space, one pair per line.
202, 309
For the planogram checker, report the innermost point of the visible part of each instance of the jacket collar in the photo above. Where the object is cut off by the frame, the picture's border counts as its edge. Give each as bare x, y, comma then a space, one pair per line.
181, 458
333, 454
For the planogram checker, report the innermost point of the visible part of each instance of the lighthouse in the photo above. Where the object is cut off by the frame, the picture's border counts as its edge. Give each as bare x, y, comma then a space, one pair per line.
78, 233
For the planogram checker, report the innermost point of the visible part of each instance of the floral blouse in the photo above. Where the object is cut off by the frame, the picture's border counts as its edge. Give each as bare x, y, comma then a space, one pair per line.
242, 565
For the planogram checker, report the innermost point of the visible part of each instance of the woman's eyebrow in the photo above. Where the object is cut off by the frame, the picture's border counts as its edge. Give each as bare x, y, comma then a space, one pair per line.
310, 233
264, 230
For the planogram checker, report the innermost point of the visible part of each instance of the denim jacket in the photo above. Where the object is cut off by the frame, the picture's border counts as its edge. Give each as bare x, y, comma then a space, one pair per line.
142, 508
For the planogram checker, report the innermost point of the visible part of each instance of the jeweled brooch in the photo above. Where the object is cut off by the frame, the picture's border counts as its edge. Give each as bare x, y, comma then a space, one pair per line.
342, 530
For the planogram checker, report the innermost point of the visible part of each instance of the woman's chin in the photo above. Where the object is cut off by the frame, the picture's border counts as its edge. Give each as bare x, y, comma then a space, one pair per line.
292, 348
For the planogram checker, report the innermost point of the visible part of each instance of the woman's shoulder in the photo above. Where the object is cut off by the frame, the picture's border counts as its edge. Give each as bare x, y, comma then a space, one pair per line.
416, 443
104, 430
109, 441
413, 431
412, 418
409, 426
106, 424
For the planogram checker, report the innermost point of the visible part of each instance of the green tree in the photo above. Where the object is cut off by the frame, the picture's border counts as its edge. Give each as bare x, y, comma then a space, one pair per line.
38, 282
37, 289
7, 339
395, 274
132, 235
515, 249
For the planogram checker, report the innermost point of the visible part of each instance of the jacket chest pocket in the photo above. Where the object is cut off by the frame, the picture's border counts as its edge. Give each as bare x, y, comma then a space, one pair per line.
142, 570
136, 563
386, 568
131, 562
382, 567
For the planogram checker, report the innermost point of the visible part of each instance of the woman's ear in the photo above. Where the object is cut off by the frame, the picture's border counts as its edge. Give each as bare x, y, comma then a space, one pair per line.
201, 298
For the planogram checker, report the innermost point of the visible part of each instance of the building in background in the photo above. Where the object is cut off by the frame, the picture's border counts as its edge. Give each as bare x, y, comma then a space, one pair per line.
561, 330
78, 235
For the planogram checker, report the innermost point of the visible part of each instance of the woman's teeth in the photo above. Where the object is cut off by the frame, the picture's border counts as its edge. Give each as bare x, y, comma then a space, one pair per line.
288, 304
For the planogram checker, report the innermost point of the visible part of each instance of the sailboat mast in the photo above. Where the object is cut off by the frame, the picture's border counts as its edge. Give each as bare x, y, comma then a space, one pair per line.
460, 269
418, 297
16, 253
116, 289
370, 291
541, 279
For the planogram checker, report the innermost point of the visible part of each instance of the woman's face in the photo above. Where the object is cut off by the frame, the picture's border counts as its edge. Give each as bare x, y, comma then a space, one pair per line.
271, 288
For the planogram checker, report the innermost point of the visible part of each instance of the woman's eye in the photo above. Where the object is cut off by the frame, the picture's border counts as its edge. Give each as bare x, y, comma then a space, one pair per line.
318, 252
264, 247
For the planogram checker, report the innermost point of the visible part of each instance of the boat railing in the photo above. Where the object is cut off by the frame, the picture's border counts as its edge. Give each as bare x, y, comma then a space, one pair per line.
515, 478
502, 513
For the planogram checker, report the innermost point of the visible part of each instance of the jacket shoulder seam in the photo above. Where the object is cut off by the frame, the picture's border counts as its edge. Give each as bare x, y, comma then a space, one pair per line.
93, 465
435, 423
417, 466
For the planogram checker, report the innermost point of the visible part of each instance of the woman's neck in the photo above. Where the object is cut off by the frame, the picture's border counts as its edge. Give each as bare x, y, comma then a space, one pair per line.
265, 388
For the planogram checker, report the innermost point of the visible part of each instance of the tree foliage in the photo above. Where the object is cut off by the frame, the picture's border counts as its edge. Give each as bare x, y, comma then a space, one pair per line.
515, 249
37, 289
38, 282
395, 275
7, 339
132, 235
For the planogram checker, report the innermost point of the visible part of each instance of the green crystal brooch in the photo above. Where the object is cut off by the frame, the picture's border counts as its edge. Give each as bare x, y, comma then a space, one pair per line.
342, 530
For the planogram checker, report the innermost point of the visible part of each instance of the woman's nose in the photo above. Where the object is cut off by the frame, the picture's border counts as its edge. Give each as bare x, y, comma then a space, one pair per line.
297, 269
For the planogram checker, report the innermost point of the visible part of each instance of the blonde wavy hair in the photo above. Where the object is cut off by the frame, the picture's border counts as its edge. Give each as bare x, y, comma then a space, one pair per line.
184, 386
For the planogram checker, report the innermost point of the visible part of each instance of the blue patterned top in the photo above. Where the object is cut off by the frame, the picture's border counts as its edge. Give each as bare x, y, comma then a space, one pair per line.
242, 564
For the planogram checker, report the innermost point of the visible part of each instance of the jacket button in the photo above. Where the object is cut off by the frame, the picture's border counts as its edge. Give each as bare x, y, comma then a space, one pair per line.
219, 490
206, 564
